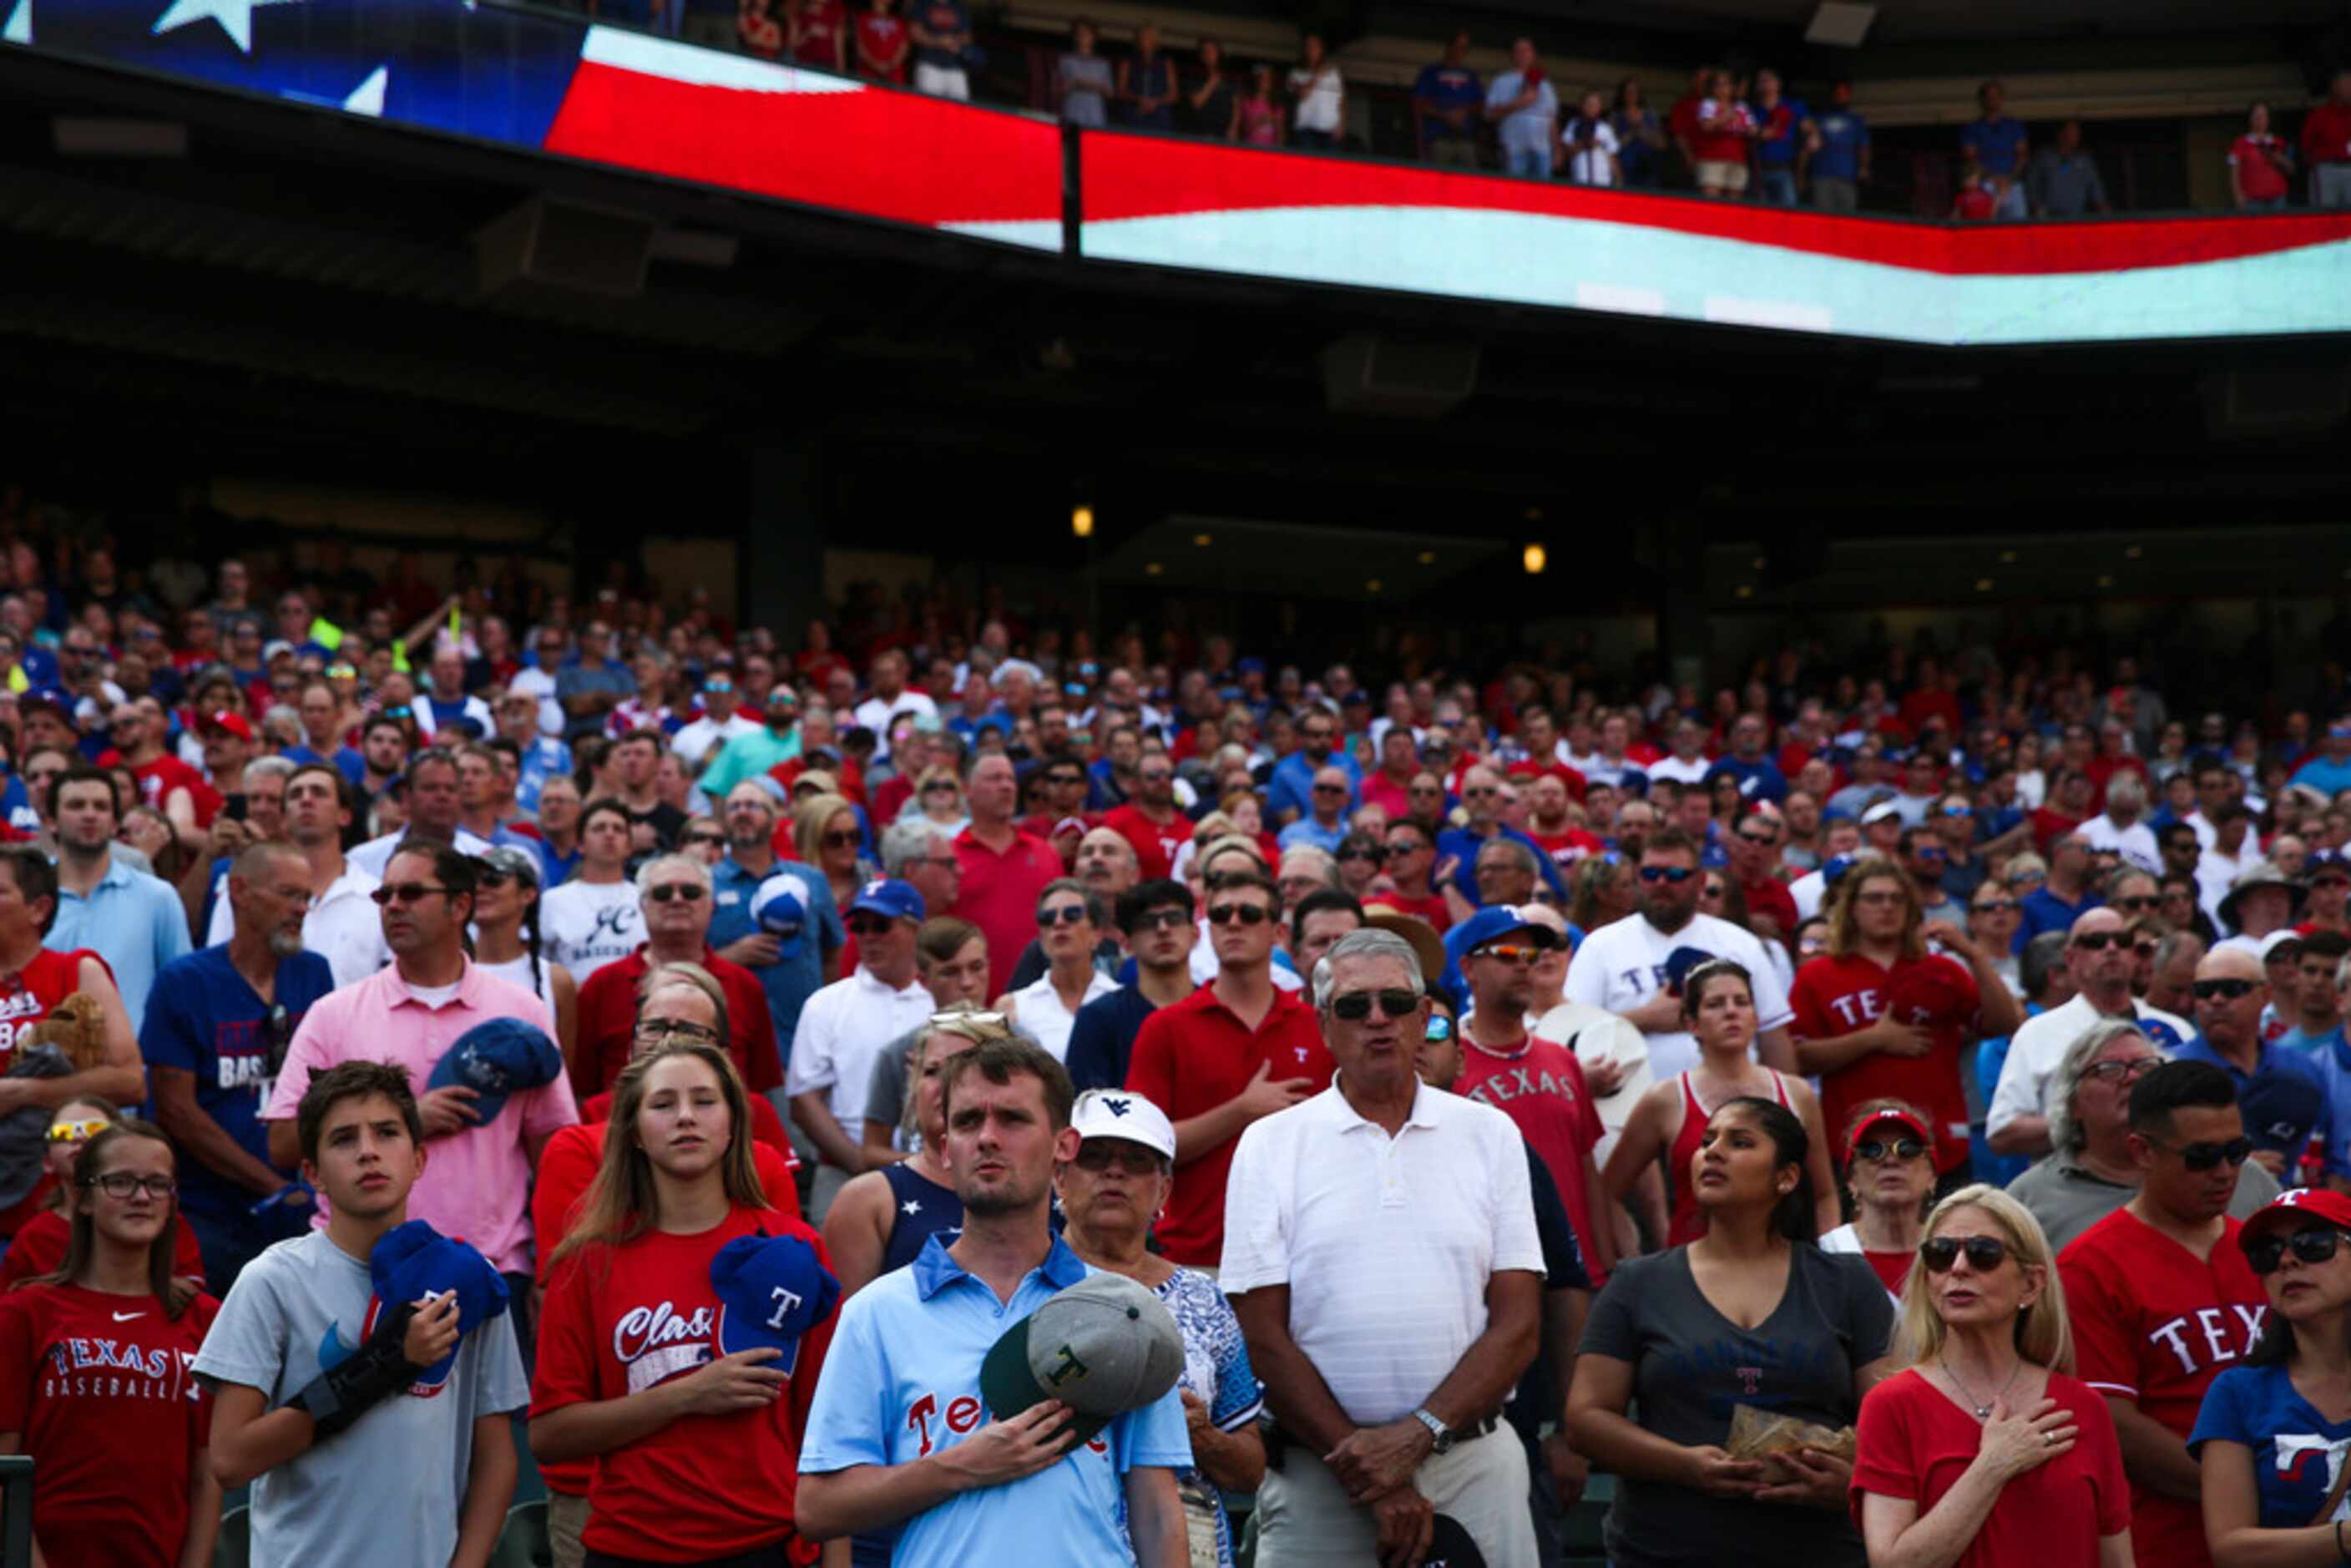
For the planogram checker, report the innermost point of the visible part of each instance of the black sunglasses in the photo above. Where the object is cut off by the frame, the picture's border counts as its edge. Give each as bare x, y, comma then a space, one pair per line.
2204, 1156
2213, 990
1167, 919
1673, 873
2310, 1246
1940, 1252
866, 925
1067, 915
1246, 913
2099, 941
1364, 852
670, 890
1395, 1002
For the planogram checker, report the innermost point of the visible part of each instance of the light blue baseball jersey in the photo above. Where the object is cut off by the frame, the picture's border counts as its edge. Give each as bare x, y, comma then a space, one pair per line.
901, 1382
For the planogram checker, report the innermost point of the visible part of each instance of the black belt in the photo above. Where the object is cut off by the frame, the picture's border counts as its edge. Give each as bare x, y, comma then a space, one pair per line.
1474, 1430
1278, 1441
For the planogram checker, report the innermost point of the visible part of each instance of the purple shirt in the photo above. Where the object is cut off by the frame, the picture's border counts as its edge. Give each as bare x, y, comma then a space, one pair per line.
476, 1183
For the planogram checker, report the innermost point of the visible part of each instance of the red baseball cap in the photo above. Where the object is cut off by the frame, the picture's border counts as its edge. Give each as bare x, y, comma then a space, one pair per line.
2281, 1212
236, 723
1913, 1123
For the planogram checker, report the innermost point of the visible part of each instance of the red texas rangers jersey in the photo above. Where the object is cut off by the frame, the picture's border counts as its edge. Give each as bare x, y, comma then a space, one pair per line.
2155, 1324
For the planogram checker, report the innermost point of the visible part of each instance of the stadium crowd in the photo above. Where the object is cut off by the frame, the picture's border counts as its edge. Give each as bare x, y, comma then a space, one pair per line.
969, 1093
1738, 133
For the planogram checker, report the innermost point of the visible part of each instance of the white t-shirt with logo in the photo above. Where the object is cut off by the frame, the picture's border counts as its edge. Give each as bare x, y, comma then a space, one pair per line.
585, 925
1623, 965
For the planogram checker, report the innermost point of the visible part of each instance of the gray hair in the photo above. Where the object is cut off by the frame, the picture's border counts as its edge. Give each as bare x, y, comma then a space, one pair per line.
1325, 867
2125, 788
906, 840
683, 975
2064, 1133
2125, 873
1367, 943
2042, 957
1520, 850
653, 869
270, 767
2173, 944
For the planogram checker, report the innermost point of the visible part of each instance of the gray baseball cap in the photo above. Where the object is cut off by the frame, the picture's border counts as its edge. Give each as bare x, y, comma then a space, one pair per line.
1103, 1346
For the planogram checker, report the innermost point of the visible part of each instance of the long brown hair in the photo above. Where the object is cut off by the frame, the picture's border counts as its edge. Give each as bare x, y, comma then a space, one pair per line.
81, 1241
1844, 933
623, 1203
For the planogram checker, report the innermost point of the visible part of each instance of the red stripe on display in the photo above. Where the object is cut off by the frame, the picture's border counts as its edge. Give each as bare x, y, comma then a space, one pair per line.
882, 154
1142, 177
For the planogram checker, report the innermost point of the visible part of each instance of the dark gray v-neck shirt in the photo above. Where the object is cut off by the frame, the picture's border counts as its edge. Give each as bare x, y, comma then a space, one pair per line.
1691, 1365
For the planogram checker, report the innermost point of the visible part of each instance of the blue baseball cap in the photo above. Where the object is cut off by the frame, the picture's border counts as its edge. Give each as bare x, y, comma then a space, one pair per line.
779, 908
889, 898
1832, 868
1494, 921
494, 1058
1680, 962
2280, 1108
771, 1292
413, 1262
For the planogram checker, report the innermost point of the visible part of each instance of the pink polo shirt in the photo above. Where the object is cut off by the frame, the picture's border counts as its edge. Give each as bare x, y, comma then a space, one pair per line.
476, 1183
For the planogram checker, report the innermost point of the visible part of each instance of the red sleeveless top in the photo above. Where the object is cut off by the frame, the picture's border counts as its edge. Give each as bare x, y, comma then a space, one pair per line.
1688, 1224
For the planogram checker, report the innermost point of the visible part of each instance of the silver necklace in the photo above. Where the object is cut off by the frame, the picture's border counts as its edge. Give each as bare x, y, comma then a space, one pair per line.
1984, 1411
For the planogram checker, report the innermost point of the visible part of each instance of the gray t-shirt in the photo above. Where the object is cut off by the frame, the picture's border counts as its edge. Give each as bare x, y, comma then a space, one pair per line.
2068, 1199
1691, 1365
885, 1098
389, 1490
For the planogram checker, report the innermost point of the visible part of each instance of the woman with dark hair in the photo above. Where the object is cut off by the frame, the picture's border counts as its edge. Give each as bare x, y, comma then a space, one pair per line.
2265, 1501
1670, 1119
1751, 1312
506, 940
671, 1417
120, 1474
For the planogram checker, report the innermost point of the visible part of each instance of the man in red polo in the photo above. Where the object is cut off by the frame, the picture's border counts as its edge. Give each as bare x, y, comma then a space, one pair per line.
1004, 869
1150, 821
674, 892
1237, 1049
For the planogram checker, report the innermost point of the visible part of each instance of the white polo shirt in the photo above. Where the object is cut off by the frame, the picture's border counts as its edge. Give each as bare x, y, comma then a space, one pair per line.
2028, 1079
343, 926
1387, 1244
841, 1031
1623, 965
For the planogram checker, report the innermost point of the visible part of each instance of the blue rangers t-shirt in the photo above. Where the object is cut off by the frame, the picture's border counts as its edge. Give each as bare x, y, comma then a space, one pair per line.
203, 1017
901, 1382
1450, 87
2297, 1453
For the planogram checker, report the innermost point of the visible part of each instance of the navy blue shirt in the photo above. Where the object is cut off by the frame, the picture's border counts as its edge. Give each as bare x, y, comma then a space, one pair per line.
1101, 1040
2044, 911
203, 1017
1450, 87
1844, 137
1461, 841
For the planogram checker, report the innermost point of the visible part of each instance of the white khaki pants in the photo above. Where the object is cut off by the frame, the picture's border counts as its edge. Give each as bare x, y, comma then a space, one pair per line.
1304, 1519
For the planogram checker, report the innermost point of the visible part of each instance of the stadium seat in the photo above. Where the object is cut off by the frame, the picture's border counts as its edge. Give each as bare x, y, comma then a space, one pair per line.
524, 1542
233, 1549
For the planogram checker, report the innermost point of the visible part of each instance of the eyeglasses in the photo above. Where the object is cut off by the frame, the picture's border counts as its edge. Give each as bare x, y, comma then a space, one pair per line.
2099, 941
690, 892
1364, 852
848, 840
1877, 1150
1134, 1159
1064, 914
1246, 913
1677, 874
1761, 841
1998, 906
2268, 1254
80, 1132
1330, 789
706, 836
1940, 1252
653, 1029
944, 788
1162, 920
404, 893
867, 924
2121, 1070
122, 1184
1395, 1002
2217, 990
2137, 904
2204, 1156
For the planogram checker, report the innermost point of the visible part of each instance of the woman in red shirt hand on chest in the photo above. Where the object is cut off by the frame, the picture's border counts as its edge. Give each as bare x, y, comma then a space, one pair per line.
698, 1448
96, 1373
1987, 1453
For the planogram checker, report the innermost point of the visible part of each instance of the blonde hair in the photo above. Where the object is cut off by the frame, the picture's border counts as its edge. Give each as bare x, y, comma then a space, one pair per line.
966, 1021
2043, 1335
809, 817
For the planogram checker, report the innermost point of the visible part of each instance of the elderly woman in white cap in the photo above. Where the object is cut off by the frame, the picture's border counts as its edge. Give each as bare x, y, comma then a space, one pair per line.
1110, 1194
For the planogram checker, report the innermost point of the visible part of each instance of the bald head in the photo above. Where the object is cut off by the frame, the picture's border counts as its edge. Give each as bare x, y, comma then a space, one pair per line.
2232, 964
2231, 989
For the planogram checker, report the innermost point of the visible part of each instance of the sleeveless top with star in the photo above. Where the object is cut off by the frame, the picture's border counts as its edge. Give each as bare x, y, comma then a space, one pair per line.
920, 1208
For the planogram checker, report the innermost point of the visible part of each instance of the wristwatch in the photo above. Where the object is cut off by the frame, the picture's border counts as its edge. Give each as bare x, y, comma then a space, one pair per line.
1437, 1429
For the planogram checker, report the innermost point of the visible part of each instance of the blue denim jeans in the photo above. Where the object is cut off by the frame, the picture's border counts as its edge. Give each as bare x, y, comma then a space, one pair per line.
1527, 163
1775, 186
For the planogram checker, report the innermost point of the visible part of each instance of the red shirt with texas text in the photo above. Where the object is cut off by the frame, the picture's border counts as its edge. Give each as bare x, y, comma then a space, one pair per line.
102, 1391
2155, 1324
621, 1319
1540, 1085
1836, 995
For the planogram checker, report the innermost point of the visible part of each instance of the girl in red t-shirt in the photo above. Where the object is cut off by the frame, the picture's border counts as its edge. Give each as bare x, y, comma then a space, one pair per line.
104, 1399
1670, 1118
630, 1370
39, 1245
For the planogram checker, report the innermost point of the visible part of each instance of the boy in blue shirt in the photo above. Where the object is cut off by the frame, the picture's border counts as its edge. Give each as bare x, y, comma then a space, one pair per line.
899, 1433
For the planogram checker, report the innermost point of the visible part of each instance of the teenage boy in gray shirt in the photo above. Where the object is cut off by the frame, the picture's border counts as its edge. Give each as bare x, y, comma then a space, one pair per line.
324, 1401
